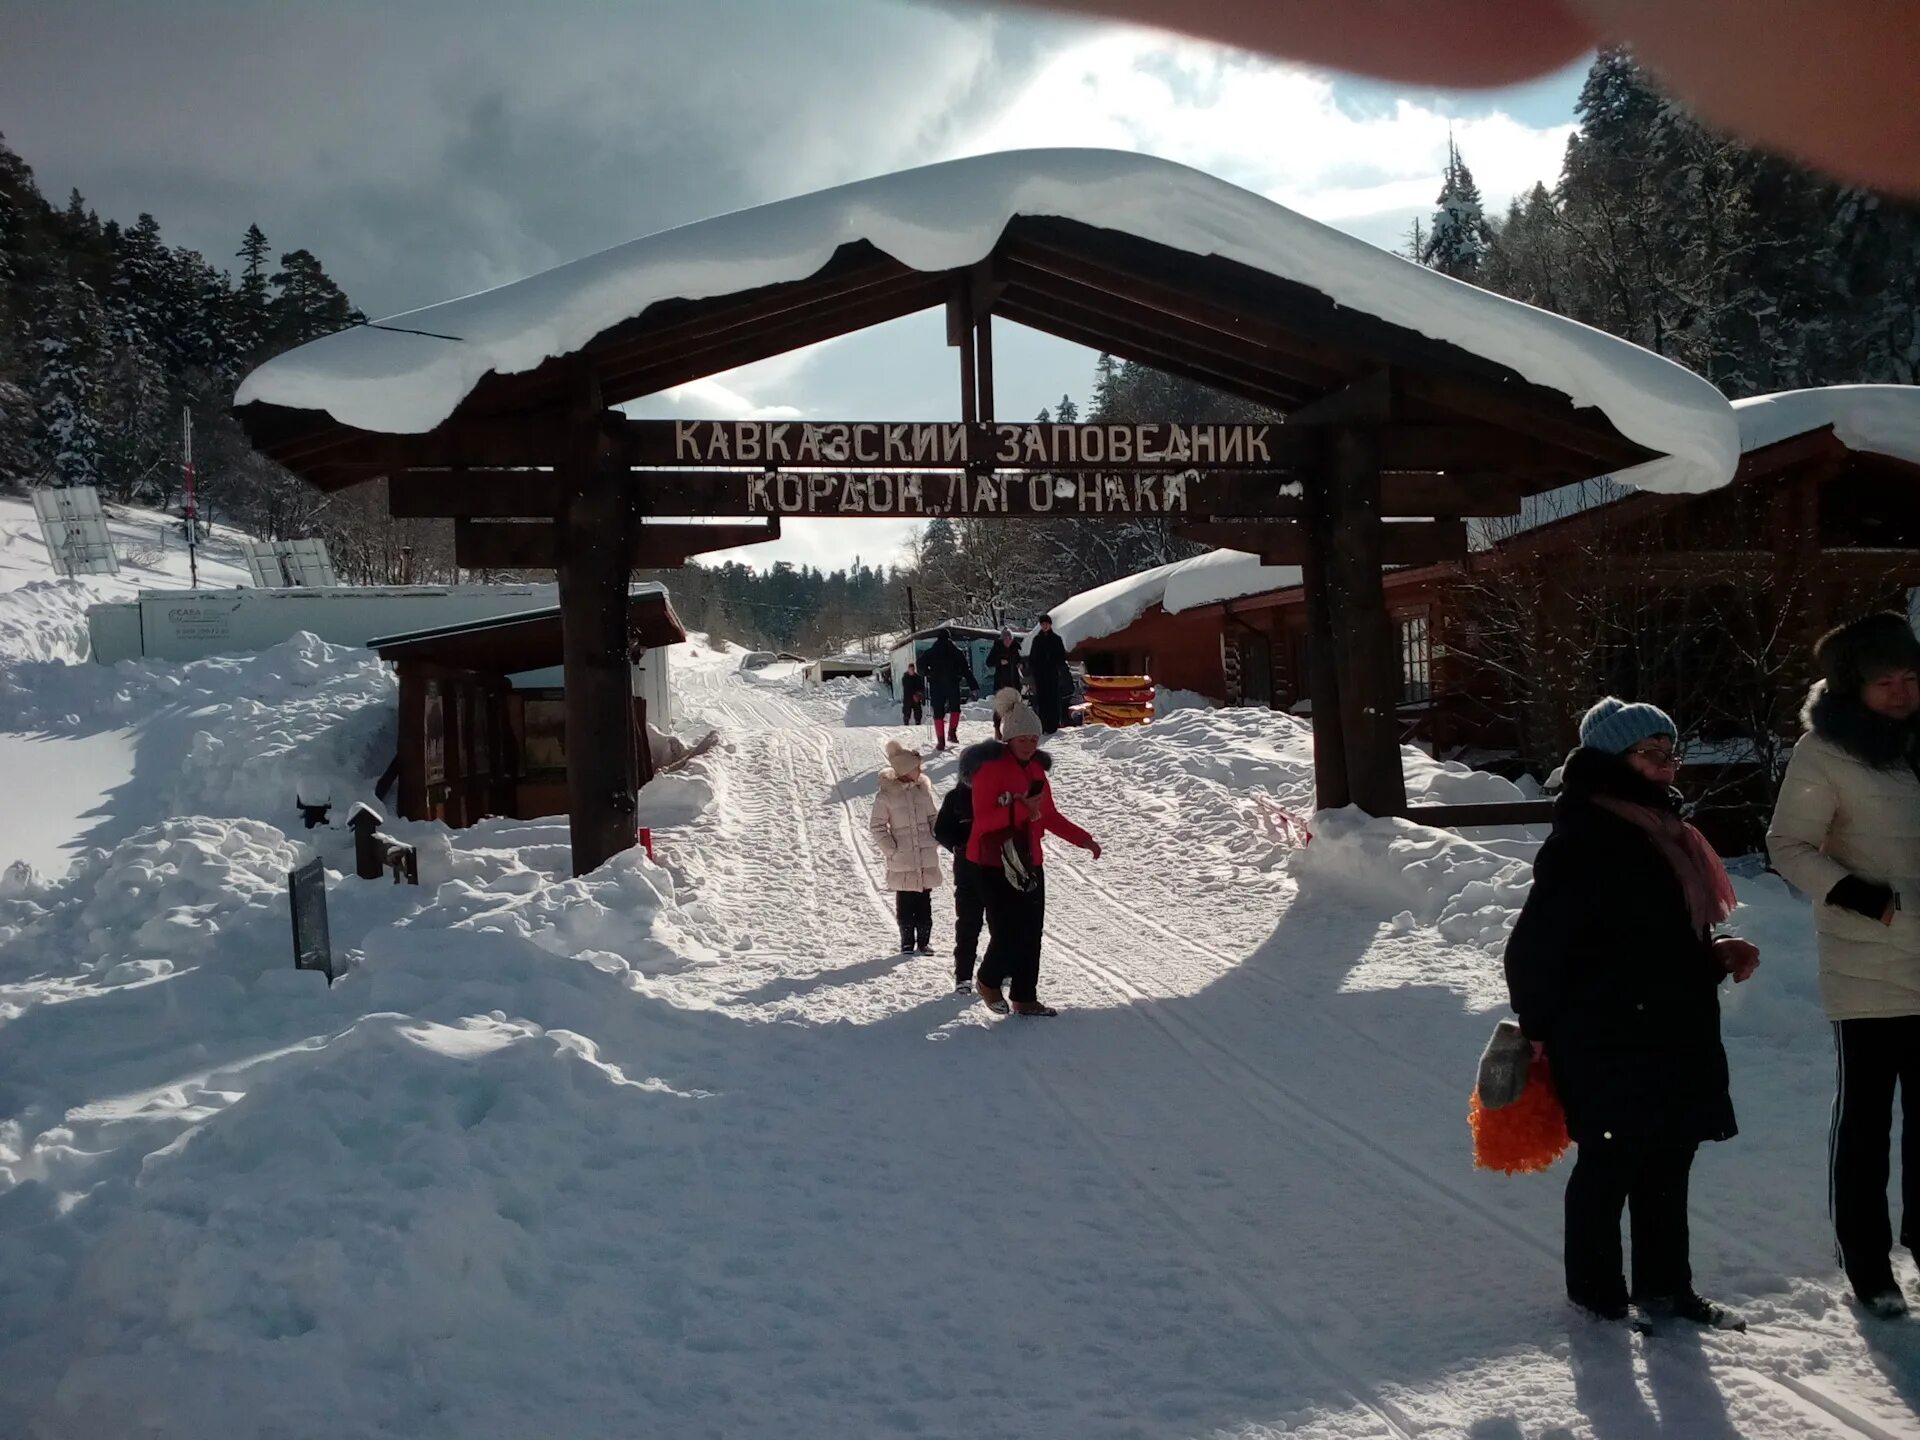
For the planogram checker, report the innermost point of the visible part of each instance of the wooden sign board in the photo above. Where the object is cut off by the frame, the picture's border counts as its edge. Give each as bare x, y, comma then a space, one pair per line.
526, 494
873, 444
307, 899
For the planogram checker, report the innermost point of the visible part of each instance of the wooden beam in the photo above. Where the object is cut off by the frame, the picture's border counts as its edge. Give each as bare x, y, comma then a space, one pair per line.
1140, 308
1471, 496
535, 545
1586, 433
983, 365
846, 445
650, 371
1289, 542
1147, 342
1322, 366
1368, 401
1458, 817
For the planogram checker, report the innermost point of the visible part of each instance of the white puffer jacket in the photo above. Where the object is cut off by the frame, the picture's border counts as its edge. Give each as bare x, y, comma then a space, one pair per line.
902, 826
1839, 816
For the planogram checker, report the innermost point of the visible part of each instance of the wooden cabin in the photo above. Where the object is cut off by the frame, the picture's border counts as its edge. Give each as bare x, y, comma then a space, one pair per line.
483, 712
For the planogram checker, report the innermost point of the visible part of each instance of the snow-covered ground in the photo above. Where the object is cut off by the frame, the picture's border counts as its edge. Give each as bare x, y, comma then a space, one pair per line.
688, 1149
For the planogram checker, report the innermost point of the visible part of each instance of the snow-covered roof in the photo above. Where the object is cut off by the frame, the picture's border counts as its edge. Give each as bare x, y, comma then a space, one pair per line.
1184, 585
410, 376
1877, 419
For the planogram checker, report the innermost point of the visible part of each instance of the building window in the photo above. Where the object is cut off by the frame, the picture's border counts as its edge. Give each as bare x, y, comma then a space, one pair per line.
1416, 661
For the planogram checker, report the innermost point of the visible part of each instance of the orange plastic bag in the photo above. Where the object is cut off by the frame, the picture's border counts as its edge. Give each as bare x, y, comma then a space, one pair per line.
1526, 1136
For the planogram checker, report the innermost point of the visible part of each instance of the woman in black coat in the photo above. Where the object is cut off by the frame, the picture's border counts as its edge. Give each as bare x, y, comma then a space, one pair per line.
1613, 968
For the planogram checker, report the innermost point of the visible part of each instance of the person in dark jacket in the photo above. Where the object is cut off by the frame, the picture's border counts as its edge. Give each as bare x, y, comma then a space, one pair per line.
1613, 968
1052, 681
949, 674
1003, 661
913, 689
953, 827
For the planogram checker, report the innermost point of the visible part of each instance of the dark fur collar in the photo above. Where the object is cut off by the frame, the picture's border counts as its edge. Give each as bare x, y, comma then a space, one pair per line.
1869, 738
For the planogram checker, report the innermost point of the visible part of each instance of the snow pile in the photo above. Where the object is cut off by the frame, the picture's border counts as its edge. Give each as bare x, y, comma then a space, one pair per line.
1470, 893
949, 216
1877, 419
46, 620
861, 702
246, 731
1166, 700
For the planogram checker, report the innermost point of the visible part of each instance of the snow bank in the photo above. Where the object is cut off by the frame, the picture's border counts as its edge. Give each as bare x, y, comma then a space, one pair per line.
246, 731
943, 217
1878, 419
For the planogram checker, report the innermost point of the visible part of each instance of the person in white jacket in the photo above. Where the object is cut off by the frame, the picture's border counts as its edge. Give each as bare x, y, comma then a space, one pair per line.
1846, 832
902, 828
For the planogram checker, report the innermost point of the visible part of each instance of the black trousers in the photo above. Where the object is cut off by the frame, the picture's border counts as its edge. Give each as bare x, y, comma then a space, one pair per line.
1873, 1057
910, 711
1050, 706
1651, 1181
1017, 920
914, 908
970, 912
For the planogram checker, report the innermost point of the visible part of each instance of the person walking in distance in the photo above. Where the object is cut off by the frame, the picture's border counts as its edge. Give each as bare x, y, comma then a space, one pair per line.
1013, 811
913, 689
902, 829
952, 828
1614, 969
1052, 681
949, 674
1003, 661
1846, 832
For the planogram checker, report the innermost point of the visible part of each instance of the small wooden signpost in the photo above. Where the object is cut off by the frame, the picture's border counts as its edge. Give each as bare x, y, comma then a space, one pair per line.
307, 898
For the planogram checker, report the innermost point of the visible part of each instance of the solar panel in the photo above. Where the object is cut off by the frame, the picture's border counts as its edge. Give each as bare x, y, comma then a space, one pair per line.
75, 529
278, 564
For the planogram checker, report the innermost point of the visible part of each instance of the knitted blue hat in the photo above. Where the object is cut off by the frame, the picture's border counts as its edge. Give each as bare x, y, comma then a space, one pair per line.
1615, 727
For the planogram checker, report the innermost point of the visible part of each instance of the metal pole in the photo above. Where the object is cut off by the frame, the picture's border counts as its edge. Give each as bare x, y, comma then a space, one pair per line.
193, 521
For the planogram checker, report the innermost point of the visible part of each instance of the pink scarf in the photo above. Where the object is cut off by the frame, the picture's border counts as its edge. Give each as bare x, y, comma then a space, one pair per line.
1710, 897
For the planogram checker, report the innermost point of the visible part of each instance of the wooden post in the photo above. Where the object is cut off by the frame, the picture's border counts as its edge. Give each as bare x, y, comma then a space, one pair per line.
983, 364
1331, 789
1362, 629
593, 571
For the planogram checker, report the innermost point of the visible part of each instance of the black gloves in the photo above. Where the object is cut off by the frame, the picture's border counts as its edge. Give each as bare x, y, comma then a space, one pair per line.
1863, 897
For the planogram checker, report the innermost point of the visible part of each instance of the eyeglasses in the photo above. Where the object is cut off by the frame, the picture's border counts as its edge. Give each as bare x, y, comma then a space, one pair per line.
1657, 754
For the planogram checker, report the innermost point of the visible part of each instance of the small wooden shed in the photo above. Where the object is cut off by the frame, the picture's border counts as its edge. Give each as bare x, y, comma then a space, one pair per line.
472, 742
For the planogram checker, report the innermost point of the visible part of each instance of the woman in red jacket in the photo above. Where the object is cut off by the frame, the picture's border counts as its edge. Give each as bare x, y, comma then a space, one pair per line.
1012, 812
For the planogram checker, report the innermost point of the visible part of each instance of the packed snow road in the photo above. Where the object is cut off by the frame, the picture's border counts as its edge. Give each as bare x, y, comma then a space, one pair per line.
689, 1148
1291, 1143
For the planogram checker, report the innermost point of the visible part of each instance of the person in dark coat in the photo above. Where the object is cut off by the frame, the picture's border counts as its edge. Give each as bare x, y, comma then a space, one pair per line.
1052, 681
913, 689
1614, 969
1003, 662
953, 827
949, 674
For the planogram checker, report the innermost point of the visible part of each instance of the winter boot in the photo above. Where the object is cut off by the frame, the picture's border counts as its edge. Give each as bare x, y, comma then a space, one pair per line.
924, 941
991, 997
1662, 1310
1888, 1304
906, 939
1595, 1307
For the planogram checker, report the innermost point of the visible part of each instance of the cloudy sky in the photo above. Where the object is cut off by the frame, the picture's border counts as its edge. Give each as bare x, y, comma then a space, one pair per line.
429, 148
